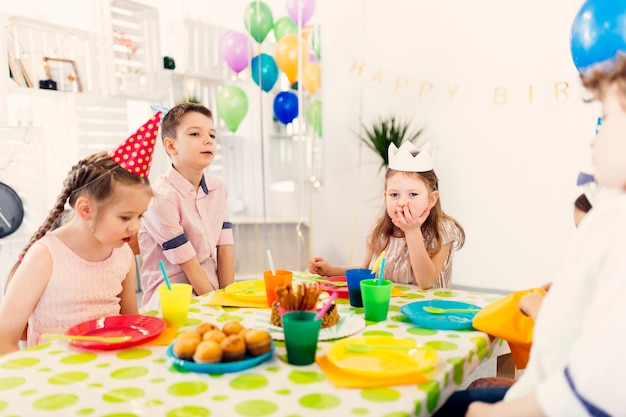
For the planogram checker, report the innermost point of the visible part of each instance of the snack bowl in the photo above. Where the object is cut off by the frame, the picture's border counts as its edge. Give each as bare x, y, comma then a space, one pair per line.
214, 350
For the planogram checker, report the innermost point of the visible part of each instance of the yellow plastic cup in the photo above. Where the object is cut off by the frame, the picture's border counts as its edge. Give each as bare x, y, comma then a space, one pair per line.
175, 304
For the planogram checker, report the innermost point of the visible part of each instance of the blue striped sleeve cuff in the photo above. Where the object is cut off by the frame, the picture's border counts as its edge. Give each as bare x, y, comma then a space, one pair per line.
176, 242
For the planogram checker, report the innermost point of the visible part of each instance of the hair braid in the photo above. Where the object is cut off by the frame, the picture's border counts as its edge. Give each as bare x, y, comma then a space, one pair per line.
95, 176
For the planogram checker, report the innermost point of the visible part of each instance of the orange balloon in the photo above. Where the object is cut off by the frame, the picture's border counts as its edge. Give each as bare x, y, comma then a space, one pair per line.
311, 74
287, 56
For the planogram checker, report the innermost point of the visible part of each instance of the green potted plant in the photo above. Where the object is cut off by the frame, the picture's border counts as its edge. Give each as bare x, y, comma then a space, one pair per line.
385, 131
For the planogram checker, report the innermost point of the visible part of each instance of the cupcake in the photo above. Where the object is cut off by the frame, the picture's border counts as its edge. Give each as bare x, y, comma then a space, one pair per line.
202, 328
215, 335
208, 351
258, 342
232, 328
233, 348
191, 335
243, 332
185, 347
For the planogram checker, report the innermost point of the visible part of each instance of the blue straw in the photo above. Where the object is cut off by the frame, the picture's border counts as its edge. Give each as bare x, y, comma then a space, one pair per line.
382, 269
167, 280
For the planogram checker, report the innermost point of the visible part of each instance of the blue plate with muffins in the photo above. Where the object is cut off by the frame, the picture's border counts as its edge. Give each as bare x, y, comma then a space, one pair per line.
219, 367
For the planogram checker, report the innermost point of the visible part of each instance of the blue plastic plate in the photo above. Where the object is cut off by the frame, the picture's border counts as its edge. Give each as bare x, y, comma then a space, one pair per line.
217, 368
447, 321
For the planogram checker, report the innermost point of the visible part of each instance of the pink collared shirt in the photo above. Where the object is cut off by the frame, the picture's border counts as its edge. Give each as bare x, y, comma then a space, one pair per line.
180, 223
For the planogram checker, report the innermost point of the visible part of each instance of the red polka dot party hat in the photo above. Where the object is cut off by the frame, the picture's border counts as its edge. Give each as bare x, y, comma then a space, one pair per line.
135, 153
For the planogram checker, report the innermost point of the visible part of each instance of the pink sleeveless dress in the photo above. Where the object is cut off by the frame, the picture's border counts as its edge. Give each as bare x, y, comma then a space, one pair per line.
78, 290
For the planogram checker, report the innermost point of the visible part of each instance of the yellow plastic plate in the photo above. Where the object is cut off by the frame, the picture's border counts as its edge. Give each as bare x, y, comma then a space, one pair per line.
253, 291
383, 356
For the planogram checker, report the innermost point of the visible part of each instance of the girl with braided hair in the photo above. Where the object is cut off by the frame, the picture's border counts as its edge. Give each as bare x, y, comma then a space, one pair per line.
84, 269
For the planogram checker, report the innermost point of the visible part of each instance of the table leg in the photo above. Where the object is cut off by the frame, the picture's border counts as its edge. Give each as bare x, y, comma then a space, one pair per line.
505, 366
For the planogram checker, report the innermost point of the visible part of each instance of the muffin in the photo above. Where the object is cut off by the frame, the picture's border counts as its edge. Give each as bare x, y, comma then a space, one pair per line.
190, 334
233, 348
185, 347
243, 332
215, 335
205, 327
232, 328
208, 351
258, 342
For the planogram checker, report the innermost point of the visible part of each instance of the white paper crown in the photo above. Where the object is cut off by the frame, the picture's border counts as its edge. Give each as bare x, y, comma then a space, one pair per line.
410, 159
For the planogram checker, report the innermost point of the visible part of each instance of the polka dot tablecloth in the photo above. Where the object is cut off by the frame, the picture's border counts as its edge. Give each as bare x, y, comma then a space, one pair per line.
56, 379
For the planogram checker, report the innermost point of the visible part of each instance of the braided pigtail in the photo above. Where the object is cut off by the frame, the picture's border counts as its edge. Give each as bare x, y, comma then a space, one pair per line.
94, 176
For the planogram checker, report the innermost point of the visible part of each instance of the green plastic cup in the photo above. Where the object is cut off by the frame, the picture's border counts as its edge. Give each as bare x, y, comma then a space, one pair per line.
376, 298
301, 334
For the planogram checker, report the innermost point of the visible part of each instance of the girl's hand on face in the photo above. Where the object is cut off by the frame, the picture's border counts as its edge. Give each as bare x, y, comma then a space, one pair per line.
408, 220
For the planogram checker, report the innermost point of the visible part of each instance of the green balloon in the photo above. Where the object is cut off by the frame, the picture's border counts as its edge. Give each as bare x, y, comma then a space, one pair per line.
232, 106
284, 26
258, 20
314, 116
316, 41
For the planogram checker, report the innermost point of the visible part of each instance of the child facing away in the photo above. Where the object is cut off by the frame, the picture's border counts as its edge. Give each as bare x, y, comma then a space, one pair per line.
418, 238
186, 225
84, 269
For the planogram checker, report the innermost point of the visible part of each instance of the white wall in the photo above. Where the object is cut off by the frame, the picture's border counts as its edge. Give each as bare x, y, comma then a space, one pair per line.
507, 168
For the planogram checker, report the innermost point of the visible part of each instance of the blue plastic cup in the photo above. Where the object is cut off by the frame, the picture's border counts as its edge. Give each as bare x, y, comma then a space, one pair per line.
354, 278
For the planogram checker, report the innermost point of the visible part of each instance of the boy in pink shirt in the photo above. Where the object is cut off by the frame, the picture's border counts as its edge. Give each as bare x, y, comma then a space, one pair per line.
186, 225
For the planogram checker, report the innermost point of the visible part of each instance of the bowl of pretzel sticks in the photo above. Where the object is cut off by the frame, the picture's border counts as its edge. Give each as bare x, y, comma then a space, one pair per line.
303, 297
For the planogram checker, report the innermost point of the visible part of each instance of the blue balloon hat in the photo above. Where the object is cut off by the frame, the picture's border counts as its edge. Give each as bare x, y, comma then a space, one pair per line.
598, 33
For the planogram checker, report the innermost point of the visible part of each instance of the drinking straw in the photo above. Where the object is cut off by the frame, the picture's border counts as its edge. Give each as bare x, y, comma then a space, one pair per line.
378, 261
326, 306
382, 269
269, 258
167, 280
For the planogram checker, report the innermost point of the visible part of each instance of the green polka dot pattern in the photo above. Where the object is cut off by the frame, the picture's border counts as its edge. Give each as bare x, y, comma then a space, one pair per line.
55, 378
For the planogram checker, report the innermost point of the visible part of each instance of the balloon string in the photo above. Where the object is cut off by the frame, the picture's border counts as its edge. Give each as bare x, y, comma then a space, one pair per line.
303, 167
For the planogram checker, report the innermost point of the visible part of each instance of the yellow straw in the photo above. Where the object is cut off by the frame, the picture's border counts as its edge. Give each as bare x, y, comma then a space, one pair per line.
378, 261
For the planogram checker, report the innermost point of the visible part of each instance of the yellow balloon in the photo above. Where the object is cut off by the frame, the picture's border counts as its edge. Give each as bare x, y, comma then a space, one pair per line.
311, 75
287, 56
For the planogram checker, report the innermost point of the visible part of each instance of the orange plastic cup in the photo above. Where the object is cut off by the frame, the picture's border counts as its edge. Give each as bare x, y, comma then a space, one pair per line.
272, 282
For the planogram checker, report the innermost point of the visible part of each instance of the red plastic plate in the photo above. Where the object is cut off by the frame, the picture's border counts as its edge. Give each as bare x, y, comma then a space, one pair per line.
342, 292
141, 329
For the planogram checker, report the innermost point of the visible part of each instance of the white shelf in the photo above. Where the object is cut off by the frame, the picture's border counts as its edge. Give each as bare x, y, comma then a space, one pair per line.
30, 41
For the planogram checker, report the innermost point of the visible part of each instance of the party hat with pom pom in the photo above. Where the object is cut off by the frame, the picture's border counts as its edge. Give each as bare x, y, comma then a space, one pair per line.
135, 153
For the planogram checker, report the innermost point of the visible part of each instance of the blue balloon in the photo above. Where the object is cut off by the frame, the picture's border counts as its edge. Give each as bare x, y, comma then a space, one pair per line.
264, 71
286, 106
598, 33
